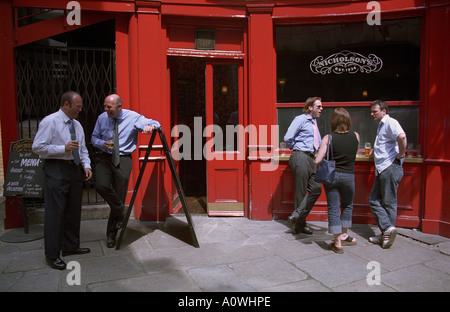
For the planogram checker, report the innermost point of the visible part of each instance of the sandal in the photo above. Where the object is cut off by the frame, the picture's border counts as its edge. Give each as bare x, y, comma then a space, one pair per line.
338, 250
348, 241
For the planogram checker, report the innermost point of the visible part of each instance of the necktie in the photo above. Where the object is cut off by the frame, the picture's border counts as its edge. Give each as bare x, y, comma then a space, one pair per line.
115, 152
316, 135
73, 137
379, 127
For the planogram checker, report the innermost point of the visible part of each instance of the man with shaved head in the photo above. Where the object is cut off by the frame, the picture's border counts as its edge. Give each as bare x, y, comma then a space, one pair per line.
115, 135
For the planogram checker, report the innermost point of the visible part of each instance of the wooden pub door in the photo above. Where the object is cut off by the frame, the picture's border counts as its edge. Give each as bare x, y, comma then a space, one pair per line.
207, 104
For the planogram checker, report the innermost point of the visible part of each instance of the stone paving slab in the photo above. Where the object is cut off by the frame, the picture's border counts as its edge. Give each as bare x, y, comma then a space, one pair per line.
417, 278
334, 269
220, 278
235, 255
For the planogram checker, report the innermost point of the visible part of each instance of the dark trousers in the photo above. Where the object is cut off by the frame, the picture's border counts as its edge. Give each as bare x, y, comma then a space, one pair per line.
112, 184
306, 189
63, 198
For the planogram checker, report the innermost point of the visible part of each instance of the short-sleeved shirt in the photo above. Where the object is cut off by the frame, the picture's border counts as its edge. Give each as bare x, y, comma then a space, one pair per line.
386, 146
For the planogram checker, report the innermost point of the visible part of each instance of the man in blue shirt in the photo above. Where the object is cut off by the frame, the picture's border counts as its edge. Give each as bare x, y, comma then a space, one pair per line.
388, 152
304, 138
116, 126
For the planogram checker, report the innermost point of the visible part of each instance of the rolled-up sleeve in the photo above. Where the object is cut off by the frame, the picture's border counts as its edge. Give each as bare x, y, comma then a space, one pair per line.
43, 141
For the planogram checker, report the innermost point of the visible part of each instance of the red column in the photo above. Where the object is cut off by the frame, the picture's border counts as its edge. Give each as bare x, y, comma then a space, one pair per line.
261, 84
151, 78
123, 56
436, 216
133, 99
8, 104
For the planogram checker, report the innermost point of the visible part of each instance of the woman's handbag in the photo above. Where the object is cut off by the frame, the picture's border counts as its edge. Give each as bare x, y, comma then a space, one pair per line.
326, 168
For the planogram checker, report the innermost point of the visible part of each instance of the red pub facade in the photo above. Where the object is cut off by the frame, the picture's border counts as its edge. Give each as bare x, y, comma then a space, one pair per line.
201, 67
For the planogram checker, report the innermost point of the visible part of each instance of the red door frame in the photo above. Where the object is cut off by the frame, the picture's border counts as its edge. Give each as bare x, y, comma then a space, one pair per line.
225, 170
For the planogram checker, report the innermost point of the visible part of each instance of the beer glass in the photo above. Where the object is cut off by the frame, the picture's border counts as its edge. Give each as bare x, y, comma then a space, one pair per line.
109, 135
367, 148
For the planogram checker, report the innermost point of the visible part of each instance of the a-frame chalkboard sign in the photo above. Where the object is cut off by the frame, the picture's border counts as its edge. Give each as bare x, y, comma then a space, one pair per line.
24, 175
176, 179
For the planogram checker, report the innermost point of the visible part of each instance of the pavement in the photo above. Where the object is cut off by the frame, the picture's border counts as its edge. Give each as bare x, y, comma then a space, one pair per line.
235, 255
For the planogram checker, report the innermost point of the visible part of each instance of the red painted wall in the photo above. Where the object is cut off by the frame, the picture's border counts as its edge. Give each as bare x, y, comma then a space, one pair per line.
142, 81
8, 105
151, 83
436, 217
261, 101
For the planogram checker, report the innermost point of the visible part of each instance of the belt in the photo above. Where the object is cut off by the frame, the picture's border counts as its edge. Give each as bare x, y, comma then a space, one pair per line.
69, 162
110, 155
306, 153
397, 161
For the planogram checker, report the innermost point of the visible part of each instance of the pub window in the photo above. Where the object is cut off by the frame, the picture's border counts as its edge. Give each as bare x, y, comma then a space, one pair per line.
362, 122
350, 64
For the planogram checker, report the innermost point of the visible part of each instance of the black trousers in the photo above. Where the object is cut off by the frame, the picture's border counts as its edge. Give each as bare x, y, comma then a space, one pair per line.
63, 198
112, 184
306, 189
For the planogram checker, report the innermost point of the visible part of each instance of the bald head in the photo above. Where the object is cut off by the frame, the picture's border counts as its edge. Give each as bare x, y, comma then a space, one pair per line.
112, 105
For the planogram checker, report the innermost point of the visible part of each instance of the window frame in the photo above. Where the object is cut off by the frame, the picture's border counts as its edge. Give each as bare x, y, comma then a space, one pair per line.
346, 19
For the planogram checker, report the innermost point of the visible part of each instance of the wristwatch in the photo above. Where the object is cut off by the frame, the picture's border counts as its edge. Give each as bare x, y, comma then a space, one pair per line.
401, 156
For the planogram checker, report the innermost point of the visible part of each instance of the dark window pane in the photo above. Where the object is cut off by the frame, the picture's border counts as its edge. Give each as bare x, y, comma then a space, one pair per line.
362, 122
226, 106
338, 61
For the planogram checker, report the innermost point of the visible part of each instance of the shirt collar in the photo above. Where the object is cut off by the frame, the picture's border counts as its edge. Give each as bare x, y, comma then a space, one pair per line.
383, 120
119, 117
63, 115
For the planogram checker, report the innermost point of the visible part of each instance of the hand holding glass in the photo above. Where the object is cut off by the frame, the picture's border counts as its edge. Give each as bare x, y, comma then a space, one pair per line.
109, 144
72, 145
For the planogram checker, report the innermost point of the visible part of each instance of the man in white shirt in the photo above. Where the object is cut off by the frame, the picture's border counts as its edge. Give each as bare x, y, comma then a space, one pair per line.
66, 165
389, 152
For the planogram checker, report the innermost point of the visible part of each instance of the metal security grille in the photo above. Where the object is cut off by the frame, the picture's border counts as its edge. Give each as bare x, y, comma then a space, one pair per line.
45, 73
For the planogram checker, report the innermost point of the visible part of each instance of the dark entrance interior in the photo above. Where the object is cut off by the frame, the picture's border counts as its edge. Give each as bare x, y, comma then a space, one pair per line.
81, 60
187, 105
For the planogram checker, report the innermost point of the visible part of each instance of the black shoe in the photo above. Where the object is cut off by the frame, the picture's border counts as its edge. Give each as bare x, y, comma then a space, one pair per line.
306, 230
111, 240
303, 227
293, 221
57, 263
121, 221
78, 251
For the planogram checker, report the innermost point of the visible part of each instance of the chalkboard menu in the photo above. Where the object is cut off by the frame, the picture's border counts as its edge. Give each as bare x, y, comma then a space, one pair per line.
25, 174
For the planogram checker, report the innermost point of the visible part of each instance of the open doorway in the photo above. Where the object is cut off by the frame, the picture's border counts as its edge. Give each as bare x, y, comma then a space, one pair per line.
187, 105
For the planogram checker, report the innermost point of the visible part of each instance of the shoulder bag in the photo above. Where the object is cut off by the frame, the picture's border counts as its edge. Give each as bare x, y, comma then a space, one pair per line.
326, 170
